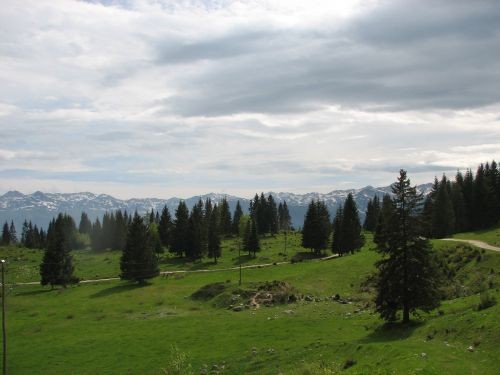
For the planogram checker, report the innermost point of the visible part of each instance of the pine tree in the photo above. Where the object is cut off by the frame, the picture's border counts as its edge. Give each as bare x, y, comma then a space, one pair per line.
13, 233
96, 240
120, 229
443, 215
85, 226
180, 230
165, 227
352, 238
458, 202
225, 218
384, 217
6, 235
138, 261
196, 241
337, 245
214, 248
316, 228
372, 212
271, 215
285, 221
407, 277
57, 264
238, 213
252, 242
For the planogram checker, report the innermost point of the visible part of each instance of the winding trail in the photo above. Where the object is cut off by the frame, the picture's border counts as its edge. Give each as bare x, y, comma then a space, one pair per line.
481, 244
168, 273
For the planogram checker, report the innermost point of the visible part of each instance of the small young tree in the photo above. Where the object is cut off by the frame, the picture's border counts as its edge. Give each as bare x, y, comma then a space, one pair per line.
407, 276
138, 261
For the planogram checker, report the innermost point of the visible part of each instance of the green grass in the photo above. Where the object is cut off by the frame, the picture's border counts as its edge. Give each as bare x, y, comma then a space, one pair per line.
23, 264
121, 328
490, 236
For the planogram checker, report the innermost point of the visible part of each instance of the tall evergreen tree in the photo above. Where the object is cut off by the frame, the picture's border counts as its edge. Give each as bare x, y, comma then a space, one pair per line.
352, 238
225, 218
443, 215
138, 261
180, 230
337, 244
252, 242
407, 277
6, 235
214, 248
85, 226
238, 213
165, 227
271, 215
197, 242
96, 241
57, 263
372, 212
384, 217
285, 220
13, 233
316, 228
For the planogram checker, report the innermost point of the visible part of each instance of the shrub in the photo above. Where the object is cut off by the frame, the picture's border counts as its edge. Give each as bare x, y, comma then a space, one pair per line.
485, 301
178, 363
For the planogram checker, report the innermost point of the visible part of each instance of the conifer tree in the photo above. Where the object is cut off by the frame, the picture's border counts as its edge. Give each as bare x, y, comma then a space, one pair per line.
138, 261
96, 241
372, 212
225, 218
443, 215
271, 215
180, 230
196, 240
165, 227
238, 213
252, 242
6, 235
407, 276
316, 228
57, 263
352, 238
214, 248
85, 226
337, 245
13, 233
384, 217
285, 221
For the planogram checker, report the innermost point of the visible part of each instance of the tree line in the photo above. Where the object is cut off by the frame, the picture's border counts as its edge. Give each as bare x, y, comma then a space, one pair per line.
468, 203
345, 230
31, 236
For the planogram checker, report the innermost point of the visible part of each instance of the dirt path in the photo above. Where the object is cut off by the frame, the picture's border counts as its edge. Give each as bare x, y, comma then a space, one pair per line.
481, 244
167, 273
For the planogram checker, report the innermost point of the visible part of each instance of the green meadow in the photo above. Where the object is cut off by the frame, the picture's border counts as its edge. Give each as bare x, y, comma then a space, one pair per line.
116, 327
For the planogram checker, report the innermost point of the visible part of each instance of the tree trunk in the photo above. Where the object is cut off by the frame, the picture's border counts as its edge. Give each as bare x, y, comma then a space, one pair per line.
406, 314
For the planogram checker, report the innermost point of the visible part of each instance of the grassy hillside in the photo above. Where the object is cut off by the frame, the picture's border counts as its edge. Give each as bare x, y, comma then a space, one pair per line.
490, 236
119, 328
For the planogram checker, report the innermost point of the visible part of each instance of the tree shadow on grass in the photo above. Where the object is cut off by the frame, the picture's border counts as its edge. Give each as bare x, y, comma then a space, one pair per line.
119, 289
35, 292
392, 332
243, 259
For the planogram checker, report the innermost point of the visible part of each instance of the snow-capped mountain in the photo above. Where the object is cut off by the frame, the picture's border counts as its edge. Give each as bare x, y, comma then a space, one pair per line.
40, 208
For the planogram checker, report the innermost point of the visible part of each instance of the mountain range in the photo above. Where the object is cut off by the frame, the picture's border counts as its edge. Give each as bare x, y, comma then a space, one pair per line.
40, 208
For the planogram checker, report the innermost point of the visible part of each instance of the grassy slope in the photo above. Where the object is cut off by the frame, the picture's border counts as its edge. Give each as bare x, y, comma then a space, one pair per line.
491, 236
24, 263
117, 328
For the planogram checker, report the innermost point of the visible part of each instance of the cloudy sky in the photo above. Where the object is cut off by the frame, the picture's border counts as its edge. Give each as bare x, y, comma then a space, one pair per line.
179, 98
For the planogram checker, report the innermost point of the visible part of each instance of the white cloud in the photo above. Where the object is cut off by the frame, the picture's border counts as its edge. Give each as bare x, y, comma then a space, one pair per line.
163, 97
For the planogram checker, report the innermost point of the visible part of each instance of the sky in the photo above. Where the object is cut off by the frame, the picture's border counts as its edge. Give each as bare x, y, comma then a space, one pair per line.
181, 98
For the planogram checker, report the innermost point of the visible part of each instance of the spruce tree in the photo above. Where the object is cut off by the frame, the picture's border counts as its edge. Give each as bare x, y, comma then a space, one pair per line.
372, 212
214, 248
85, 226
238, 213
285, 221
252, 242
138, 261
386, 212
316, 228
337, 244
352, 238
271, 215
57, 263
180, 230
6, 234
225, 218
443, 215
13, 233
96, 237
407, 277
196, 241
165, 227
